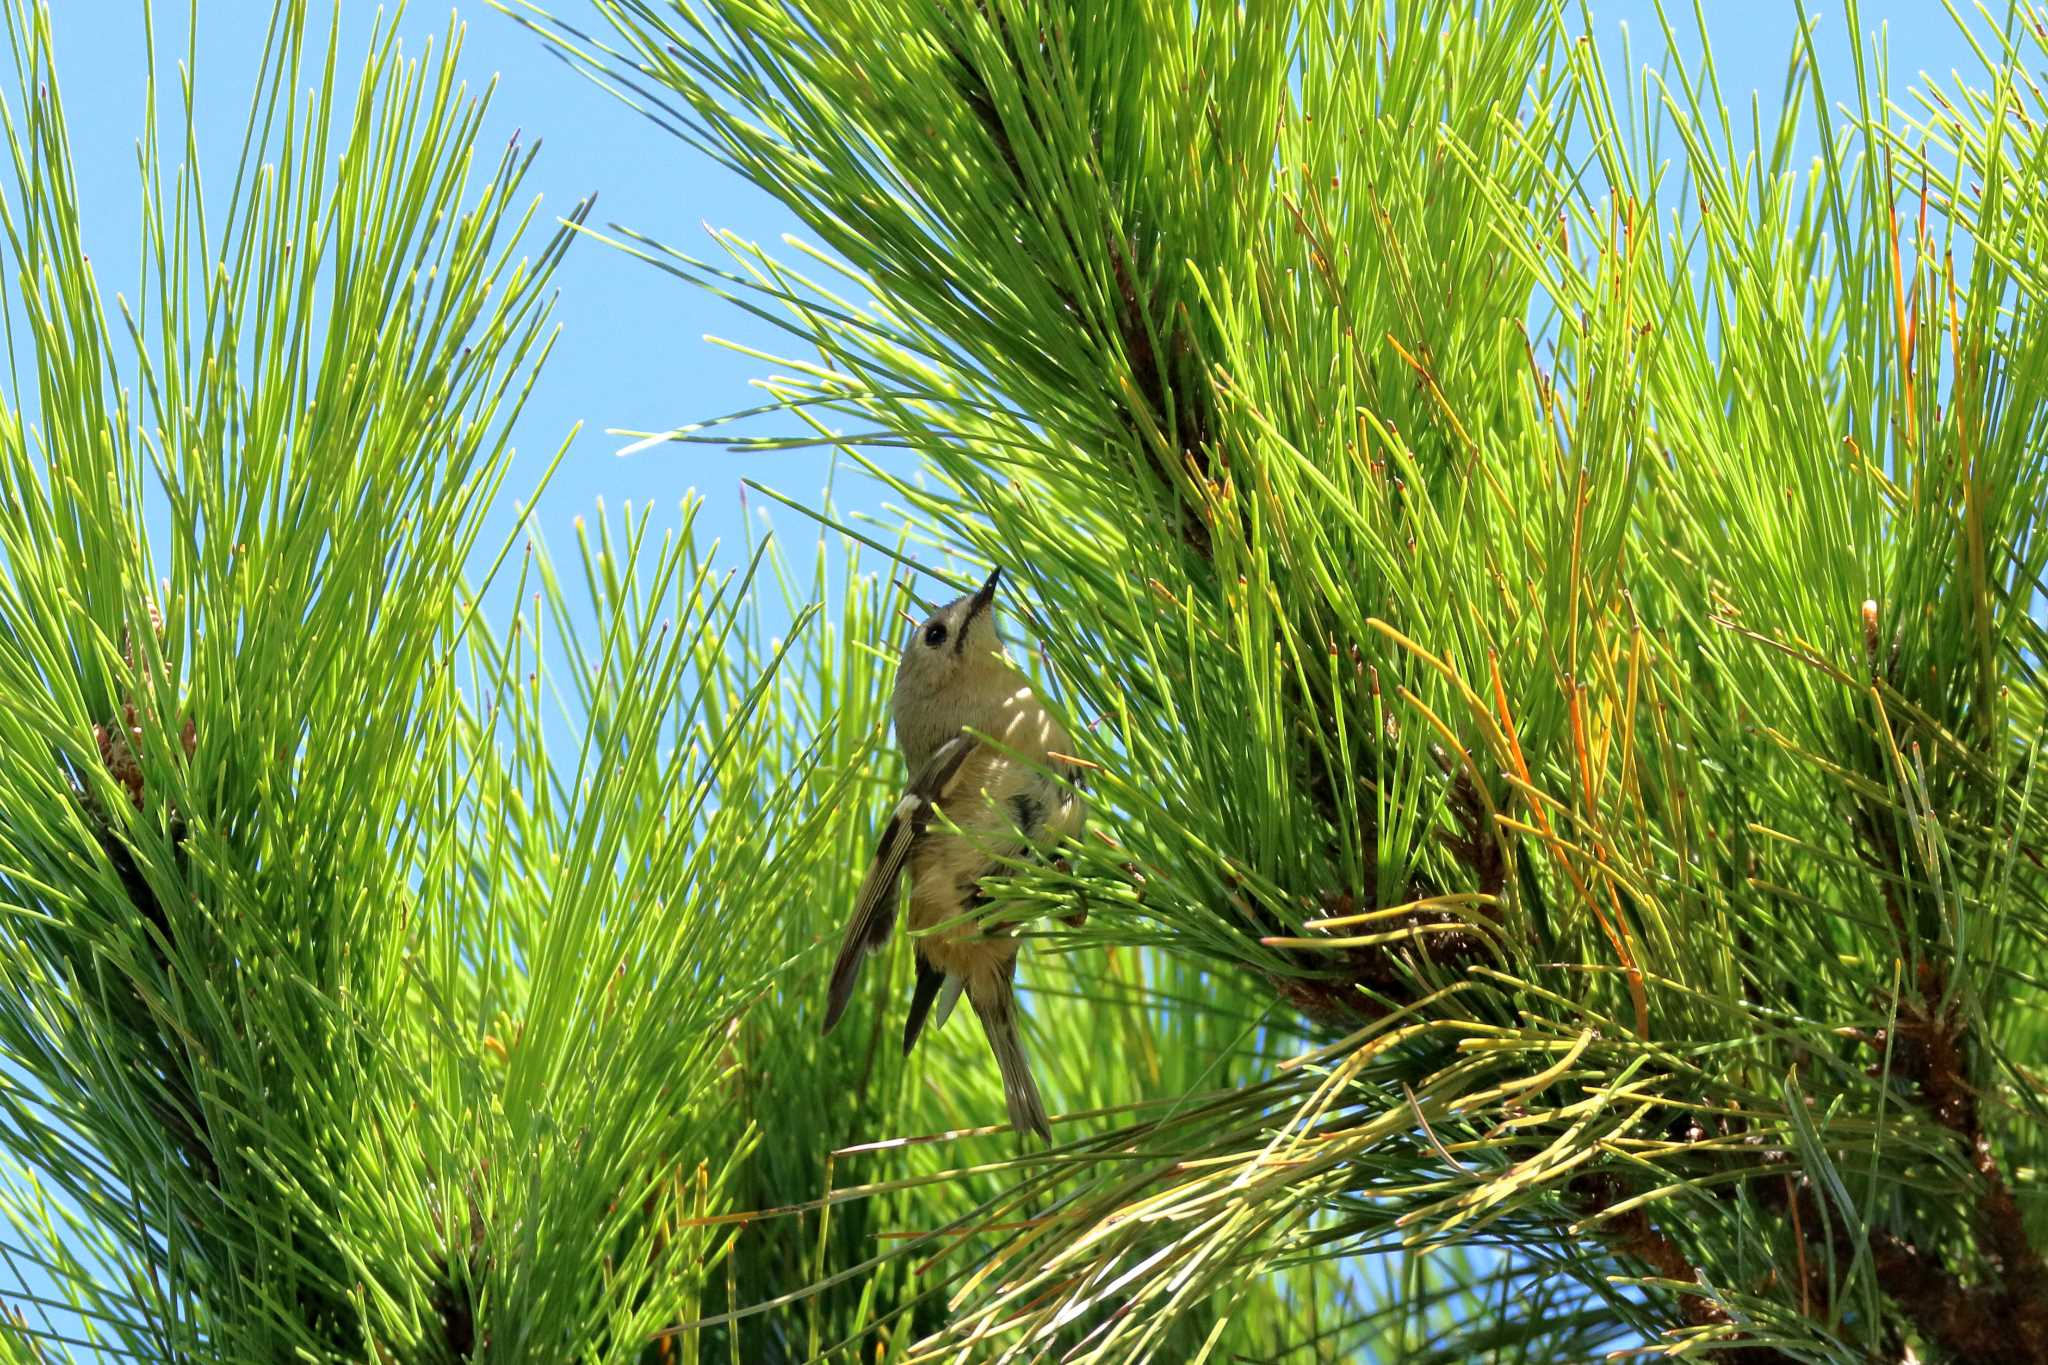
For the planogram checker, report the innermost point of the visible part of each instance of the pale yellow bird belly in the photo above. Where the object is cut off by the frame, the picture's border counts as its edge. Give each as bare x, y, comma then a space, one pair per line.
1003, 808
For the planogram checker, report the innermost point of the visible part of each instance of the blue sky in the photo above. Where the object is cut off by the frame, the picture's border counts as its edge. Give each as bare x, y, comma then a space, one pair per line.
632, 354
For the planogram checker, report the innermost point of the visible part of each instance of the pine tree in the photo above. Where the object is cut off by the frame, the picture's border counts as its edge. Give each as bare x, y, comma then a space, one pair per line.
1548, 589
1553, 591
350, 1011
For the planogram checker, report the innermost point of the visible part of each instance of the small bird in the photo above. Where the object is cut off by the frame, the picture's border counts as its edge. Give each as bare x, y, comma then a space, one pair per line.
1006, 798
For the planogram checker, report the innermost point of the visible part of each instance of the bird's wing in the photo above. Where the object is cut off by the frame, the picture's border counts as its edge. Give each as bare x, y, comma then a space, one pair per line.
930, 980
874, 906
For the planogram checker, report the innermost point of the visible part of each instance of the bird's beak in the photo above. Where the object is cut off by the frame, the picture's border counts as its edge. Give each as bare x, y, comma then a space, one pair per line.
985, 595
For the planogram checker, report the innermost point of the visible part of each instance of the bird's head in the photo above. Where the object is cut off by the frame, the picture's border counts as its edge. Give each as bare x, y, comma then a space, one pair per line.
952, 663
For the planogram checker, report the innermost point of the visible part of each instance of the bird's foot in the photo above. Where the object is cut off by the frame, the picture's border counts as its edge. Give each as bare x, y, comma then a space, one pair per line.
1079, 916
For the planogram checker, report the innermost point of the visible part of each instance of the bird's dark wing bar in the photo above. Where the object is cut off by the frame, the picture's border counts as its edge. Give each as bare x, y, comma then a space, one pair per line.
874, 906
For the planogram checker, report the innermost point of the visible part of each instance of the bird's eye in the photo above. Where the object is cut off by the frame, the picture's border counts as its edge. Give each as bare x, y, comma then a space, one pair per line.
935, 634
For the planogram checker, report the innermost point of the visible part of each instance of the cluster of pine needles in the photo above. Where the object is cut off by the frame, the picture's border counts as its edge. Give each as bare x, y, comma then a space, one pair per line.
1545, 569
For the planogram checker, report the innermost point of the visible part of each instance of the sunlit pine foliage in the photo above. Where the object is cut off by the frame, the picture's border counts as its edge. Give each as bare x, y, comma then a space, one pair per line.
410, 934
1548, 565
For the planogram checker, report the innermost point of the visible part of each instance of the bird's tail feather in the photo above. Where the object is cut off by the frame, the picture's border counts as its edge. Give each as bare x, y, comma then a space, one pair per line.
996, 1007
